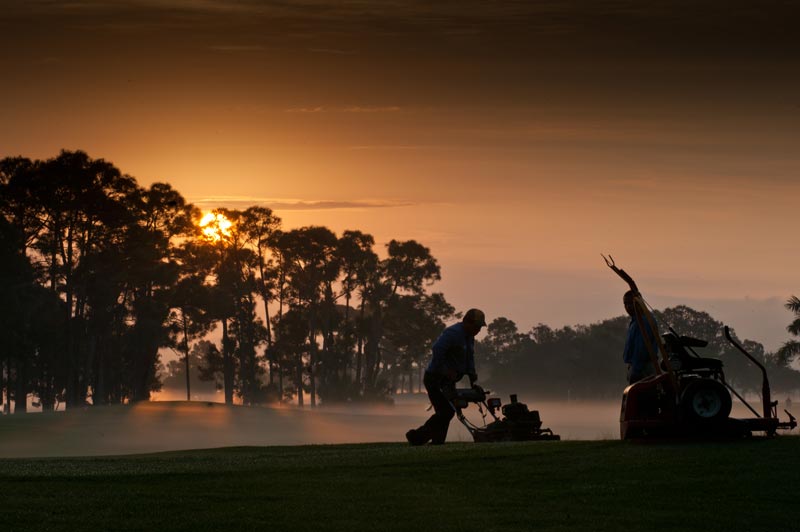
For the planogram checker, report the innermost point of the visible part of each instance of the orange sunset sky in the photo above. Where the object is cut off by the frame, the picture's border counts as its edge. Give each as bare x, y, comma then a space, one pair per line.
517, 140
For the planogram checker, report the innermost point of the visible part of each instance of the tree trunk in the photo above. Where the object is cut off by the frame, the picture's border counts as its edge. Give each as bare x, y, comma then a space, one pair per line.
5, 374
186, 355
21, 388
71, 398
99, 394
312, 360
280, 383
227, 364
265, 298
48, 395
271, 366
300, 381
360, 352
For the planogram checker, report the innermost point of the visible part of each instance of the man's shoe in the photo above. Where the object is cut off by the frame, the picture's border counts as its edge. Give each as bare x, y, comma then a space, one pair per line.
414, 438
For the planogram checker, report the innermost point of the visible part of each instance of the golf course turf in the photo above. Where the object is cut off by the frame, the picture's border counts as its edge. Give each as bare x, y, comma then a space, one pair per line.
570, 486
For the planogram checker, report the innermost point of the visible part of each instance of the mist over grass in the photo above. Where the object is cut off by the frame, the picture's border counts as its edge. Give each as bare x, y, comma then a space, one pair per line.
177, 425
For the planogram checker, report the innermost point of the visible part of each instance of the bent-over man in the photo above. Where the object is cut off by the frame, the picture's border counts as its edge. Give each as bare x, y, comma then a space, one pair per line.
453, 357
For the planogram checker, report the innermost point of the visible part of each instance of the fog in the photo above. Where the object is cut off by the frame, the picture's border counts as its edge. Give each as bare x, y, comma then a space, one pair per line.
180, 425
175, 425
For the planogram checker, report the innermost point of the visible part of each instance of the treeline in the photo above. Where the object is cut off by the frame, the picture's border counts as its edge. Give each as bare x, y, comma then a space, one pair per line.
98, 274
585, 361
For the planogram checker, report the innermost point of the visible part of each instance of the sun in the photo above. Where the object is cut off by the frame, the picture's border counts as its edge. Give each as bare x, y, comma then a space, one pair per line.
215, 226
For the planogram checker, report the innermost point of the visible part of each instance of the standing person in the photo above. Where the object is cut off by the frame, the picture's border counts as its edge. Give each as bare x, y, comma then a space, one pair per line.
453, 357
636, 355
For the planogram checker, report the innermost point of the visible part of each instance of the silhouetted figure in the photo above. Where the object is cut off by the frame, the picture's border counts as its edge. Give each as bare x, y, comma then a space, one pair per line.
453, 357
636, 354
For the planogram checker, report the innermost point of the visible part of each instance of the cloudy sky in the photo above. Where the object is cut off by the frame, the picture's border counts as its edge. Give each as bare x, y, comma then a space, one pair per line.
518, 140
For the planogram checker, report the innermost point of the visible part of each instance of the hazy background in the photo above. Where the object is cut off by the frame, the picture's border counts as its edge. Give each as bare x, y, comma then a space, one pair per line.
164, 426
518, 140
167, 426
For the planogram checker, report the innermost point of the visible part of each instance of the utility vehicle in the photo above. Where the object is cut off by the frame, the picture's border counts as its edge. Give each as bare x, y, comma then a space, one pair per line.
688, 396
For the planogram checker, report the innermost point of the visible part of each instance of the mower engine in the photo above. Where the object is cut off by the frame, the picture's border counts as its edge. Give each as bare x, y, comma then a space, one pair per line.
517, 424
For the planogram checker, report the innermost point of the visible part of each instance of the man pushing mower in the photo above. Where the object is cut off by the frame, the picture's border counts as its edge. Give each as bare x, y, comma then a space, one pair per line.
453, 357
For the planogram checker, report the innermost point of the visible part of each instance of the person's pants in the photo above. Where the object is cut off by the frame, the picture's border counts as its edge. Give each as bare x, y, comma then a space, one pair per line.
435, 429
635, 376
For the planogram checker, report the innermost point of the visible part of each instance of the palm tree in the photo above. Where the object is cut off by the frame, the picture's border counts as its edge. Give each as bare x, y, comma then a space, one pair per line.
791, 348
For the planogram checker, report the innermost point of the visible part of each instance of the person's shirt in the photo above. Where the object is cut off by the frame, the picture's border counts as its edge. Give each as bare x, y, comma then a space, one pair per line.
636, 353
454, 350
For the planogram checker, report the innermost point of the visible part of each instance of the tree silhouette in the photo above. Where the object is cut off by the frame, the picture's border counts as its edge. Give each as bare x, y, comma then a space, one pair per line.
791, 348
502, 336
260, 227
312, 266
413, 322
17, 324
408, 268
98, 275
235, 289
101, 245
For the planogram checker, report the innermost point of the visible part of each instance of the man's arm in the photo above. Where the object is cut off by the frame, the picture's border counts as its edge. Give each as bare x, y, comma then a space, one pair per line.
473, 376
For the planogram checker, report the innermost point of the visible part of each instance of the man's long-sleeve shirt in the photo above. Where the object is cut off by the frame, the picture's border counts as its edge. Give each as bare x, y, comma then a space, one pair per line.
453, 351
636, 353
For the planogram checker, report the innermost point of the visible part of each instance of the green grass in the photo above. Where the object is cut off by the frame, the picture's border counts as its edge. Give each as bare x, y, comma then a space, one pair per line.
569, 486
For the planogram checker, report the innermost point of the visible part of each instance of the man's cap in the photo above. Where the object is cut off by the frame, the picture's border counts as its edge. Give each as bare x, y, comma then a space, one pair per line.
476, 317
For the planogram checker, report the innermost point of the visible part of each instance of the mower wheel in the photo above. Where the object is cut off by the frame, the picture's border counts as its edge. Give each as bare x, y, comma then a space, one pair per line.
706, 401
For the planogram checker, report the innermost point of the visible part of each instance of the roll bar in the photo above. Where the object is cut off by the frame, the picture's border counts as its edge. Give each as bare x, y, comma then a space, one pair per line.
766, 397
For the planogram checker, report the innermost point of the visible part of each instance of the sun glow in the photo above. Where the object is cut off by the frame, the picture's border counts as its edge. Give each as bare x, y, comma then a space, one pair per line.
215, 226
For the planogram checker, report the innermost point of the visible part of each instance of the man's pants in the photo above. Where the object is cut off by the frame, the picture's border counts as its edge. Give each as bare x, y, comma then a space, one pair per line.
635, 376
435, 429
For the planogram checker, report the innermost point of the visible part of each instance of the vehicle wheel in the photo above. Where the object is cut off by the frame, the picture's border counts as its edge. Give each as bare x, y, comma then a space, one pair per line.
706, 400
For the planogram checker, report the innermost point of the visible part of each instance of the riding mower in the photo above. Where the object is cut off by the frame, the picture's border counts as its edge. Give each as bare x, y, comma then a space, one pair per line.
517, 424
688, 396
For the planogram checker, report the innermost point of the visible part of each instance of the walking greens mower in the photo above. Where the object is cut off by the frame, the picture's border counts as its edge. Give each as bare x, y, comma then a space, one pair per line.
517, 424
688, 396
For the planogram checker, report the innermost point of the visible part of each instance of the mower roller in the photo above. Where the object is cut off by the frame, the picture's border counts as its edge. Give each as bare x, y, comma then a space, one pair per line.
688, 396
517, 424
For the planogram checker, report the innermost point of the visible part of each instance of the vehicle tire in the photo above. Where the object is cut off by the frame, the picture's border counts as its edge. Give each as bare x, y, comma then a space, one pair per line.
706, 401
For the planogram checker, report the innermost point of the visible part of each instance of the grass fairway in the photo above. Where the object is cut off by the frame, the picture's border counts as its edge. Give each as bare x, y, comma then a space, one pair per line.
571, 486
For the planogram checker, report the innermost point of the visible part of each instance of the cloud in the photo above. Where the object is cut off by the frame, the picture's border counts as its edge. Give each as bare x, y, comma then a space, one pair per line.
332, 51
346, 109
236, 47
318, 109
336, 205
389, 147
243, 202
